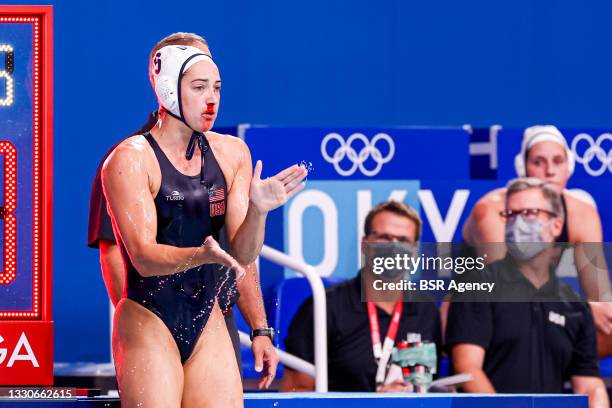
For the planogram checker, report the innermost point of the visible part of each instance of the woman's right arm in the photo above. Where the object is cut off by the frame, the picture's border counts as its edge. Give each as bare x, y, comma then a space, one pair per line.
484, 227
131, 206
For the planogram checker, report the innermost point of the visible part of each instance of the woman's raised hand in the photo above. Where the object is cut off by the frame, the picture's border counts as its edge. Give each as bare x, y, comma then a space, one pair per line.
270, 193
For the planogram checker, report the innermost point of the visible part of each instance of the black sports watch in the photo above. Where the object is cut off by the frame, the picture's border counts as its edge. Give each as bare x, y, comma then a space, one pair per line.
268, 332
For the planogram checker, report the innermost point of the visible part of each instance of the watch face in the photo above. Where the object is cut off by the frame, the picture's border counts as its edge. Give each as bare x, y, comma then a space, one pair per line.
267, 332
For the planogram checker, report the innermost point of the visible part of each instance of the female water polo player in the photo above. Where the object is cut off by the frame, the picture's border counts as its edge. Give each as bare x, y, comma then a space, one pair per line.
545, 154
170, 191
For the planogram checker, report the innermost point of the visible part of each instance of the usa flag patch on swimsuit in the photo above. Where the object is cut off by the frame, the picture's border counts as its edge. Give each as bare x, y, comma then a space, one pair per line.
216, 196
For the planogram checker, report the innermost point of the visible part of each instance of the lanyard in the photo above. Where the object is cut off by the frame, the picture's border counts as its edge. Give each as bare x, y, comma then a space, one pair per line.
383, 353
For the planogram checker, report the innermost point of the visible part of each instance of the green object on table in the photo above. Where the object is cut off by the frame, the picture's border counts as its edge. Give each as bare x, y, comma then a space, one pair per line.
420, 379
424, 354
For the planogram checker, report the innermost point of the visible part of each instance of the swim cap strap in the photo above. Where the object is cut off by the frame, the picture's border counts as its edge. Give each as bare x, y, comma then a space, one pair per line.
178, 86
199, 139
177, 117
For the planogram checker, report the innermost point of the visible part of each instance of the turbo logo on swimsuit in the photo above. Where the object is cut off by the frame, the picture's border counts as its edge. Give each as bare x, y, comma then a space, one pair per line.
593, 151
358, 160
175, 196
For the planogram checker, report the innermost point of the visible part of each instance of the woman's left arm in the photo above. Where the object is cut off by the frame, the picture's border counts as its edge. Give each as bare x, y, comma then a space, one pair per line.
251, 198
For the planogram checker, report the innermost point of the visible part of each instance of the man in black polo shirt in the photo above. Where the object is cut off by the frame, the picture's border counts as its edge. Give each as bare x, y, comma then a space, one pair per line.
100, 235
351, 362
533, 332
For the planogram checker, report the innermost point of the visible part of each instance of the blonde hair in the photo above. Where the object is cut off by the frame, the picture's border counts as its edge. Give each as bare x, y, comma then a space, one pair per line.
179, 38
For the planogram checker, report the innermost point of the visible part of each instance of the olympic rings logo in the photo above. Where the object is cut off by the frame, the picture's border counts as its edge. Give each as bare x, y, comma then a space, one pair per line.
358, 159
594, 150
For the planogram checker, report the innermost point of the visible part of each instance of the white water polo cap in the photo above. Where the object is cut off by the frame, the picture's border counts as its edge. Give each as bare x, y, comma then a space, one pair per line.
536, 134
170, 63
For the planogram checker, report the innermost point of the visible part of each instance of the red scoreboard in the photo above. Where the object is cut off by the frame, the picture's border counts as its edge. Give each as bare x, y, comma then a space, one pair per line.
26, 170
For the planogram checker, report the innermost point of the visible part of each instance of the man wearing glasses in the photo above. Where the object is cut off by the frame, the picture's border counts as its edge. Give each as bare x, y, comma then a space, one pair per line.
533, 333
351, 342
546, 155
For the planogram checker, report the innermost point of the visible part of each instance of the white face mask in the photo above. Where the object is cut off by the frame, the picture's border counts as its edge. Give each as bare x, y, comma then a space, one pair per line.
524, 238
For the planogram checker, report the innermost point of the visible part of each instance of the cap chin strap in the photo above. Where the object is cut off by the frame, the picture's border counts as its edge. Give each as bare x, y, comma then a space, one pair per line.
176, 117
199, 139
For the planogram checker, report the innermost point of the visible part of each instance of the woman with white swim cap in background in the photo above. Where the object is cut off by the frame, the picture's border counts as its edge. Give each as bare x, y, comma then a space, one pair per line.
170, 191
545, 154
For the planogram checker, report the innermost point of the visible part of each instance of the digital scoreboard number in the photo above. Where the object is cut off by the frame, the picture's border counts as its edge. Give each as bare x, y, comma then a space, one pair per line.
6, 74
26, 109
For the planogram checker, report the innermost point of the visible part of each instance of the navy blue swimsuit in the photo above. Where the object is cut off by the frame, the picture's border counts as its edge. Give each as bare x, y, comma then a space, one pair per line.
188, 210
564, 236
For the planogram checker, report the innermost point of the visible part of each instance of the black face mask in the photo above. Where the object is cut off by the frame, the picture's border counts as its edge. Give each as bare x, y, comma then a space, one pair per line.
389, 250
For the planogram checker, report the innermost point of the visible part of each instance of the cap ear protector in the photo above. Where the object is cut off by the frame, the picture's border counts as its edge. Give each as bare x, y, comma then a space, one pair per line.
545, 133
167, 93
170, 63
